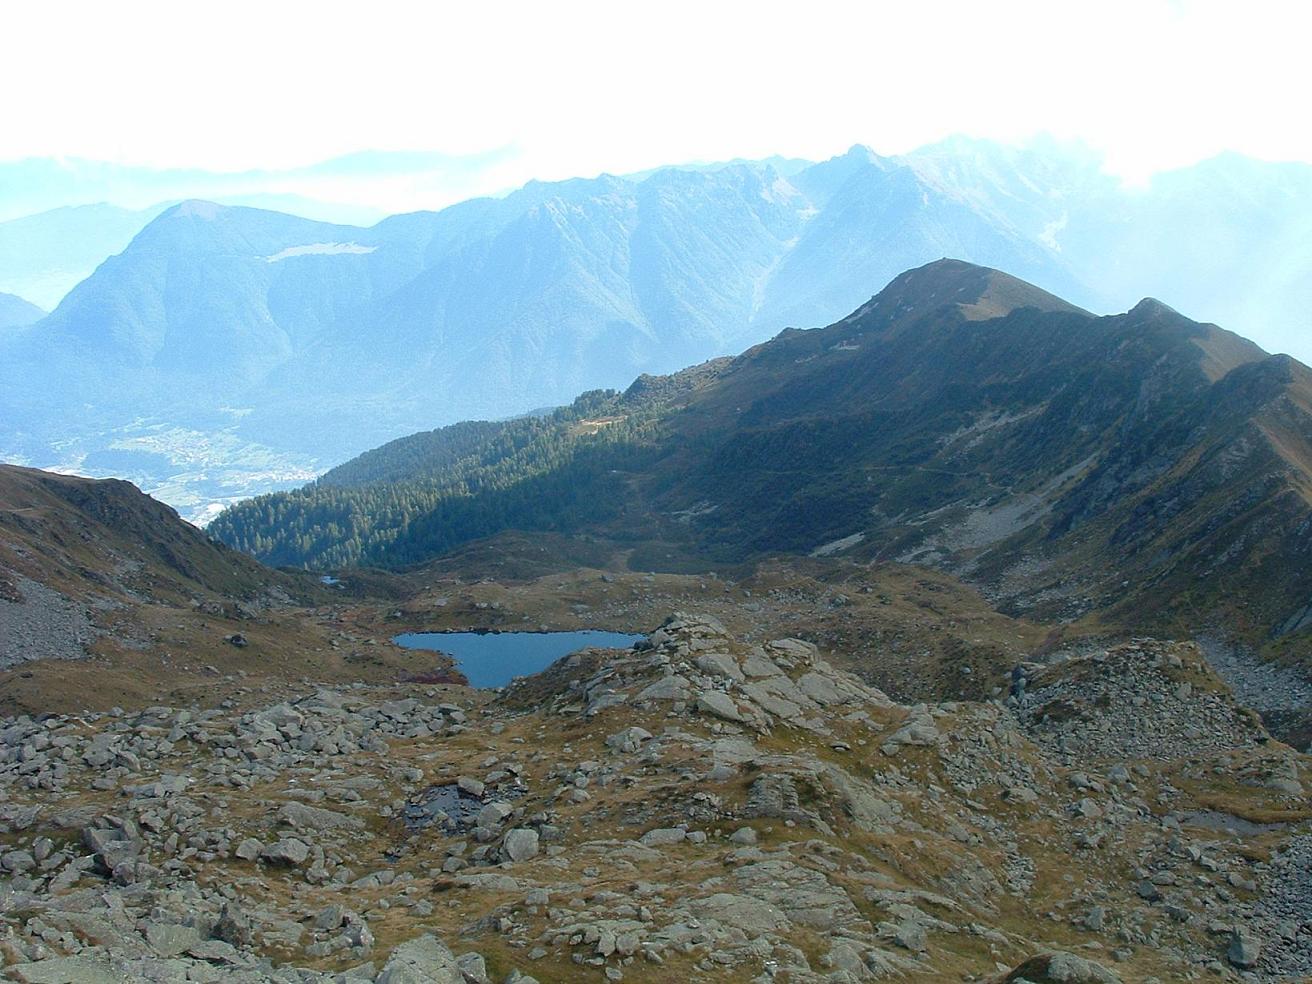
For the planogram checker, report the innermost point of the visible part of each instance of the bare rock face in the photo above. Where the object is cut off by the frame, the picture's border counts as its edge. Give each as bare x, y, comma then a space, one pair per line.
310, 818
1244, 951
774, 796
421, 961
521, 844
1061, 968
288, 851
720, 705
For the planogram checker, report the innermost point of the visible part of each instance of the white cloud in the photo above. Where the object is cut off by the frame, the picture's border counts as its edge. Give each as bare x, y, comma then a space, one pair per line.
580, 88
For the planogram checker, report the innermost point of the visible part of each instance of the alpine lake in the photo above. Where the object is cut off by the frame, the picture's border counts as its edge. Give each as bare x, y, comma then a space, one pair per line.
493, 659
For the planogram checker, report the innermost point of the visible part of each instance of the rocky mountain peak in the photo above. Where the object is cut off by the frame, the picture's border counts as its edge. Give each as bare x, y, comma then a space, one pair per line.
1151, 307
197, 208
948, 285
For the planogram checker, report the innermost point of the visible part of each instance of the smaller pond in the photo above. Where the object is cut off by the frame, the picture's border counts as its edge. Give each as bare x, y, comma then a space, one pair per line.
448, 805
493, 659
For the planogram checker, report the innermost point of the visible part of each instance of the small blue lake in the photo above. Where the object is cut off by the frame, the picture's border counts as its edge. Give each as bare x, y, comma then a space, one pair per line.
493, 659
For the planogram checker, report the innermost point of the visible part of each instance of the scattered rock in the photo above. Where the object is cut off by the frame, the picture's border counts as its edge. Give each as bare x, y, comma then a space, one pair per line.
288, 851
521, 844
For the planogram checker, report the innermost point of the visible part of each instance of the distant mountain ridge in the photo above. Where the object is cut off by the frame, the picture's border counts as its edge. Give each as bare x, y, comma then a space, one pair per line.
43, 256
18, 313
1142, 468
278, 345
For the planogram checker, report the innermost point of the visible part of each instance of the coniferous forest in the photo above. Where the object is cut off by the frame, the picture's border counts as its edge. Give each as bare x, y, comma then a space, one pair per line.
419, 496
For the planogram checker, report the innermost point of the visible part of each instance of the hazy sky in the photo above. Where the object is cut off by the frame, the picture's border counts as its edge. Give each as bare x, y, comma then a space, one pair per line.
552, 89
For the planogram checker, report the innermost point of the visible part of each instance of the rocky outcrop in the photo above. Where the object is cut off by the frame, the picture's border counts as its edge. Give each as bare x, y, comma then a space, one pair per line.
1137, 700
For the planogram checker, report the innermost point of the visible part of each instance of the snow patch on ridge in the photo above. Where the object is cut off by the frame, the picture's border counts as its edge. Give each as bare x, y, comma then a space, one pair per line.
319, 249
835, 546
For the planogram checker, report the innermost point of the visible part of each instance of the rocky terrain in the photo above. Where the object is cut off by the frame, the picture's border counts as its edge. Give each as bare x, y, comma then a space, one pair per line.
702, 806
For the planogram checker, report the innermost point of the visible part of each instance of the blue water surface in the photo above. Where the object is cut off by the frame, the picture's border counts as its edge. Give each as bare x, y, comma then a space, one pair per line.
493, 659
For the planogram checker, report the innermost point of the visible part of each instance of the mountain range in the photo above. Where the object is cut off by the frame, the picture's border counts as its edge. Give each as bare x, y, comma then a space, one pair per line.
227, 351
326, 190
1141, 468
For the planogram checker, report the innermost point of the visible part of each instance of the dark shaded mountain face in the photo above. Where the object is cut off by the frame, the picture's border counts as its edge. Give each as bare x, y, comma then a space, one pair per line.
18, 313
1142, 467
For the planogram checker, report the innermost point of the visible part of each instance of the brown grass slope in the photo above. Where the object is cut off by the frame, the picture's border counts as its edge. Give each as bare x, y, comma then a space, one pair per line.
108, 598
105, 536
